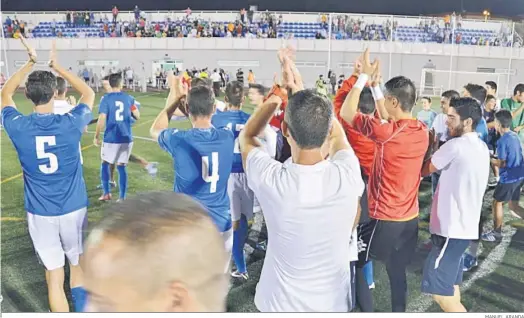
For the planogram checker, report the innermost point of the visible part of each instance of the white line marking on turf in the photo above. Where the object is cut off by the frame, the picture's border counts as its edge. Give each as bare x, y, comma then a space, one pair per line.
490, 263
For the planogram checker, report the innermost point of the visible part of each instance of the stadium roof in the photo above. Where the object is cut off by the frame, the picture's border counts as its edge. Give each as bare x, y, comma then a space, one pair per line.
505, 8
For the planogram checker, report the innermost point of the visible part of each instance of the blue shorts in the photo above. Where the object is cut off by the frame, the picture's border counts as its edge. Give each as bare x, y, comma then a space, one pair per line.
443, 268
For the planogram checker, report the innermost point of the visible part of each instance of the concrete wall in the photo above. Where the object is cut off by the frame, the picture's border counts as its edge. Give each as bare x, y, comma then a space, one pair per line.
260, 55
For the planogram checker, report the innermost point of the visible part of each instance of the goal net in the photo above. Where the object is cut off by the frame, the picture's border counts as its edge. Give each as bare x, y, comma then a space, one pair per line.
434, 82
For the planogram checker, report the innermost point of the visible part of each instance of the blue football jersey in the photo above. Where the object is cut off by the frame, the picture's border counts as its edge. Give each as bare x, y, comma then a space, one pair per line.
235, 120
202, 161
47, 147
117, 108
482, 130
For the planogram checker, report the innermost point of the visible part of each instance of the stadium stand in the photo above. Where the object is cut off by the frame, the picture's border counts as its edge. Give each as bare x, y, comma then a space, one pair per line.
264, 25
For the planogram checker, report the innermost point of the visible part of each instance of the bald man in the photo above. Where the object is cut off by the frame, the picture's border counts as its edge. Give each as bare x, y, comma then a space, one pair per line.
156, 252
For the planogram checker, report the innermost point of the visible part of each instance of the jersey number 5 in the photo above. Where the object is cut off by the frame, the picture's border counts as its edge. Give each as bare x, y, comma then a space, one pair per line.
238, 128
41, 141
214, 177
119, 111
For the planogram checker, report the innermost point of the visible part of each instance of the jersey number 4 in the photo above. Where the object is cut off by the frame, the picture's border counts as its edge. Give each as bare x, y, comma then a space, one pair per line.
214, 177
119, 116
41, 142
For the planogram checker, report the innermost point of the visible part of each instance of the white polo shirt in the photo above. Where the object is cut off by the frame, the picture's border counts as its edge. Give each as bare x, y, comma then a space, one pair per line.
309, 212
464, 164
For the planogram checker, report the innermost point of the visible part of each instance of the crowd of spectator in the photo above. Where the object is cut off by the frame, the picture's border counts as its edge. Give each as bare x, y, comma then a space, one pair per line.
262, 25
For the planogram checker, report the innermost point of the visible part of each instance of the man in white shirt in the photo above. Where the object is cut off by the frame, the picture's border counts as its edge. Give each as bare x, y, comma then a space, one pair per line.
215, 78
441, 128
309, 203
63, 104
129, 77
455, 212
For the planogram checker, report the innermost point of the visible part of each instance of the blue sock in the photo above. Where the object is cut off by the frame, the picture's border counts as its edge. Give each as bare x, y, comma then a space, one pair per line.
79, 296
239, 240
368, 273
104, 176
122, 181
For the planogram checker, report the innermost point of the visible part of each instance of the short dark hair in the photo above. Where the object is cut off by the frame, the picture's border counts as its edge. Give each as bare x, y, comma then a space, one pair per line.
492, 84
504, 117
201, 101
467, 107
259, 87
403, 89
478, 92
197, 81
40, 87
308, 117
115, 80
61, 85
490, 97
451, 94
518, 88
234, 93
426, 98
366, 103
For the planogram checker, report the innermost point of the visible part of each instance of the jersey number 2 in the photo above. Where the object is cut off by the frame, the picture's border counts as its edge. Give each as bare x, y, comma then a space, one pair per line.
41, 141
119, 111
214, 177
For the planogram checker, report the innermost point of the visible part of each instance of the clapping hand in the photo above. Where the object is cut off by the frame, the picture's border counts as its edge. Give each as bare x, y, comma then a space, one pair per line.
368, 68
52, 55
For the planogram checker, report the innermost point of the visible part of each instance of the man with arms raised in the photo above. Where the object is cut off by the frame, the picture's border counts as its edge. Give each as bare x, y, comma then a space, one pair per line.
155, 252
54, 189
309, 203
117, 111
203, 155
401, 143
455, 211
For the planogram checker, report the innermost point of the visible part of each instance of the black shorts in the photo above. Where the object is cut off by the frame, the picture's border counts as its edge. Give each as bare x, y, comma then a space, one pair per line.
505, 192
364, 207
379, 239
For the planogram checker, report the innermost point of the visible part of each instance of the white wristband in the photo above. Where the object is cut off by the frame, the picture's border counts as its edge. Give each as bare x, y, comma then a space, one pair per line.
362, 81
377, 93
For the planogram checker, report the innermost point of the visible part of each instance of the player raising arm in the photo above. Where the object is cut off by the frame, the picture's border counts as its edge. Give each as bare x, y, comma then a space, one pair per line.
309, 231
203, 155
54, 189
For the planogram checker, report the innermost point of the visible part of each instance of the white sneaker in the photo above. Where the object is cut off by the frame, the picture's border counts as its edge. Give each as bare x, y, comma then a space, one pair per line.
236, 274
152, 169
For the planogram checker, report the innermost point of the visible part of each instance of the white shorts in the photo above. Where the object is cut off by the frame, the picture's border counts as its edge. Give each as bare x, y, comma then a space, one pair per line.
227, 236
116, 153
57, 236
240, 196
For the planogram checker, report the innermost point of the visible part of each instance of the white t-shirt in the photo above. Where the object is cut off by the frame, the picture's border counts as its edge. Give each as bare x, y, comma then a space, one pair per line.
129, 74
215, 77
220, 105
440, 127
309, 212
464, 164
62, 107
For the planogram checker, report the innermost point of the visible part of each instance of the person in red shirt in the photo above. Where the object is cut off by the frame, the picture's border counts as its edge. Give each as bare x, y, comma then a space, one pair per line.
365, 151
401, 144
